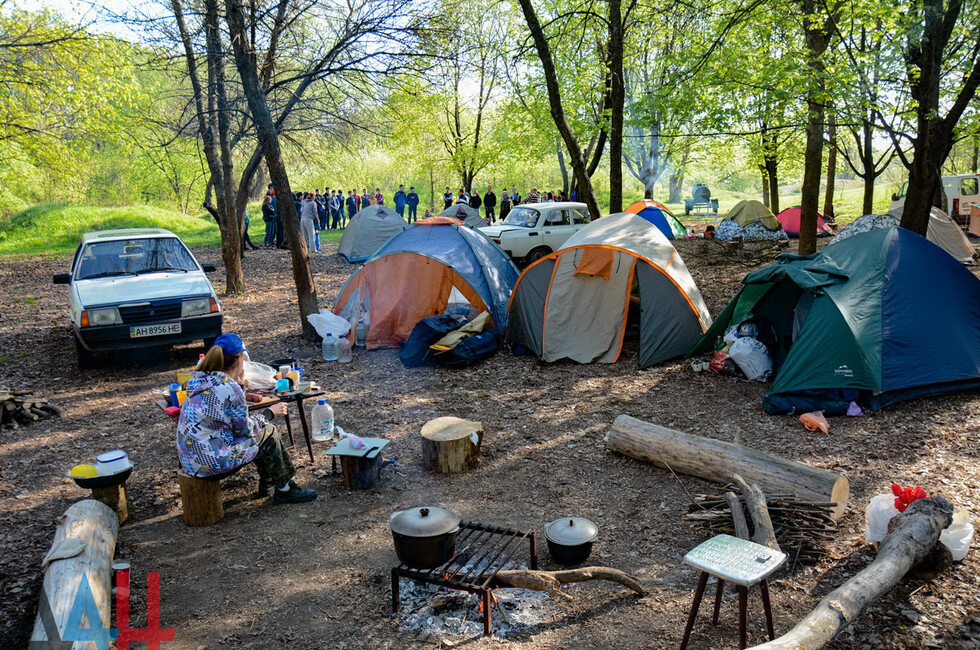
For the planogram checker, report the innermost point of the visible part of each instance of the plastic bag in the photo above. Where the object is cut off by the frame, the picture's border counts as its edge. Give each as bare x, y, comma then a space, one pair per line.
718, 360
752, 357
815, 421
879, 512
958, 537
258, 375
731, 335
327, 322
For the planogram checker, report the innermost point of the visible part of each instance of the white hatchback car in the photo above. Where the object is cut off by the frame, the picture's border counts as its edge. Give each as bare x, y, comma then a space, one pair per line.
533, 230
138, 288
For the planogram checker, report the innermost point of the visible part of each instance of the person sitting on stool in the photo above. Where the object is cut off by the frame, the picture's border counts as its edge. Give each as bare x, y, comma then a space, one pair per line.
216, 435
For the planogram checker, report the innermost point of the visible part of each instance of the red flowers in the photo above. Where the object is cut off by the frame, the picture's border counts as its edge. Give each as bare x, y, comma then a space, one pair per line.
904, 497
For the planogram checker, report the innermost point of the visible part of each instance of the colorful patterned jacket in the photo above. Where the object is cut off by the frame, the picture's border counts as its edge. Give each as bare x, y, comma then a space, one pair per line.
215, 433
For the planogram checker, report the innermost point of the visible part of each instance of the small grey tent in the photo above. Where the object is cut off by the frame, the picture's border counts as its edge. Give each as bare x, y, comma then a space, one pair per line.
470, 216
368, 230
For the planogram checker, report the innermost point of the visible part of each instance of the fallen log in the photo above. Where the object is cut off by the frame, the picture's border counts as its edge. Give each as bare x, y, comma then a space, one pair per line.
551, 581
84, 543
716, 460
912, 537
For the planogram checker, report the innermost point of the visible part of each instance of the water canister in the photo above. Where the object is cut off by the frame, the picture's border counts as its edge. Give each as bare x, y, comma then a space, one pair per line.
344, 352
322, 417
360, 333
329, 348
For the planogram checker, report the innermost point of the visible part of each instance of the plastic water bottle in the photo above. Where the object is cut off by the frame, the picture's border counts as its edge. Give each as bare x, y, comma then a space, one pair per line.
329, 348
322, 416
360, 333
344, 353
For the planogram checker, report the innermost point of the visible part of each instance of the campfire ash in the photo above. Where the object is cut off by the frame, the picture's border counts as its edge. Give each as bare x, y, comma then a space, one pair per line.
441, 611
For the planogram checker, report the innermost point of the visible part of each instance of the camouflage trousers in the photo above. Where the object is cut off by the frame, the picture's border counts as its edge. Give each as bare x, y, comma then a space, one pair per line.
273, 461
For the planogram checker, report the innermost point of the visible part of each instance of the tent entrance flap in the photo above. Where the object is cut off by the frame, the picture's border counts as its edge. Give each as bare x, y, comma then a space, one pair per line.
585, 314
668, 324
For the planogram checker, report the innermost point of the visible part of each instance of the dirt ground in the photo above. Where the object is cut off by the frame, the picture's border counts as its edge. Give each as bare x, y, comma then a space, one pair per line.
317, 575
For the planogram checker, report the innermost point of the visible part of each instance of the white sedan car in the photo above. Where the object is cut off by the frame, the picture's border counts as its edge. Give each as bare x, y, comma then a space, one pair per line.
138, 288
533, 230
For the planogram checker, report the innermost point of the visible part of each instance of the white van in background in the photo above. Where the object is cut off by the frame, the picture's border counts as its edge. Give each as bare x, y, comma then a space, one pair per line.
962, 191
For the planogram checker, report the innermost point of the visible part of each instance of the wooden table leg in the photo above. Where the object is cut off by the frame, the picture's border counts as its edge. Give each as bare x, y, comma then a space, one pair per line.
534, 551
306, 426
764, 591
743, 597
698, 593
718, 592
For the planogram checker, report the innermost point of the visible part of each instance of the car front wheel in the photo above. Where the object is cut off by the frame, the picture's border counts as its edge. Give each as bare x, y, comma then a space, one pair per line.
86, 358
537, 254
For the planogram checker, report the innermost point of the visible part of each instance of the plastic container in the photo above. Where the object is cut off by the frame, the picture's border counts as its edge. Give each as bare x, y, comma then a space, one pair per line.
322, 417
112, 462
360, 333
959, 536
344, 352
329, 348
174, 389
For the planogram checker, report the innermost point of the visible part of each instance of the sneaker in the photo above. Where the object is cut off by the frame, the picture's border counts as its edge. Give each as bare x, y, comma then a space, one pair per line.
295, 494
266, 487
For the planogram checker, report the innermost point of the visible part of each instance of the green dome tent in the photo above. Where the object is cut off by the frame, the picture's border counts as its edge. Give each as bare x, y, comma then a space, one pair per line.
885, 313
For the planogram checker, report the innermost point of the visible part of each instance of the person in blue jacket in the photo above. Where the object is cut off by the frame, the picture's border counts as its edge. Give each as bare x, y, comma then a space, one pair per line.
401, 199
413, 205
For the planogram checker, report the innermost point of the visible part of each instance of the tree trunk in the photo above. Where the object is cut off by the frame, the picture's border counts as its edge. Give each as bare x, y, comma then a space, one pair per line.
765, 186
828, 201
934, 136
675, 187
716, 460
816, 43
912, 536
562, 167
868, 163
772, 171
269, 139
231, 234
582, 180
95, 526
617, 106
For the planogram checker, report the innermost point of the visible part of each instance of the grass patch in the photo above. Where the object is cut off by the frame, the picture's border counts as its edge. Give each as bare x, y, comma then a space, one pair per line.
57, 228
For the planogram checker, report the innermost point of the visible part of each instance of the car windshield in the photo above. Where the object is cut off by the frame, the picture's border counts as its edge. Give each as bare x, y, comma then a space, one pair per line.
103, 259
523, 217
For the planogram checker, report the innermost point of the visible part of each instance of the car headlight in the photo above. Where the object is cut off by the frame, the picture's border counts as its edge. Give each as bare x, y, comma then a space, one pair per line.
107, 316
195, 307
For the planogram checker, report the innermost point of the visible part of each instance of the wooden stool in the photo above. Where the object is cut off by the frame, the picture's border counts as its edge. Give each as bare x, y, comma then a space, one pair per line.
451, 445
114, 496
741, 562
200, 499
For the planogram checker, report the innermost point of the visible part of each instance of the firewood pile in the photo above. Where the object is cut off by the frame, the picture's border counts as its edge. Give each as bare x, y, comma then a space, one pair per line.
21, 407
802, 527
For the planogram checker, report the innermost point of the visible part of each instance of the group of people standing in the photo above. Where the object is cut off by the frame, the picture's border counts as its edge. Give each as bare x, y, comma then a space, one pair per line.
332, 209
489, 200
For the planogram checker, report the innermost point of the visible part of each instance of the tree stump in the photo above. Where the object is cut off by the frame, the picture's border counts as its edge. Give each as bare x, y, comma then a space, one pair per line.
451, 445
200, 499
114, 496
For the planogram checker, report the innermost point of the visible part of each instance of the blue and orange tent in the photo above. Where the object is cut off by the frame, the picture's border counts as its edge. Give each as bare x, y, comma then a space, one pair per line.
414, 274
657, 214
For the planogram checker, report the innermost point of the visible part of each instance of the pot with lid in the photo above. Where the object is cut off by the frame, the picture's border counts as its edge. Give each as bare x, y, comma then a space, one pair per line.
424, 537
570, 539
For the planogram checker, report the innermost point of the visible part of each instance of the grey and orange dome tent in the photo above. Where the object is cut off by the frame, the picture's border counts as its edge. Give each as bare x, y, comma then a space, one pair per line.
573, 304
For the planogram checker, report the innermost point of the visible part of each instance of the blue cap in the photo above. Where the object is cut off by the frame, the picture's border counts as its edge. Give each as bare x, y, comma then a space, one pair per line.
230, 343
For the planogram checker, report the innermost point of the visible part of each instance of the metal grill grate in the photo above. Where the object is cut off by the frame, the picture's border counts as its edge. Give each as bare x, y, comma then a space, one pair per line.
156, 311
481, 552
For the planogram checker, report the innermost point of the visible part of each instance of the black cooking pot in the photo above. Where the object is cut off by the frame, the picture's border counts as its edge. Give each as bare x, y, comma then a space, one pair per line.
424, 537
570, 539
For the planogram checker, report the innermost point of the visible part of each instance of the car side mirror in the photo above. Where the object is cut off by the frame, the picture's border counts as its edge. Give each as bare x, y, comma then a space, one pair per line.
62, 278
209, 268
895, 196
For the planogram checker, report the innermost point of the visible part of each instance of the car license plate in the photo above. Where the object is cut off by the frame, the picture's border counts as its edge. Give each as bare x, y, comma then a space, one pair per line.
154, 330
